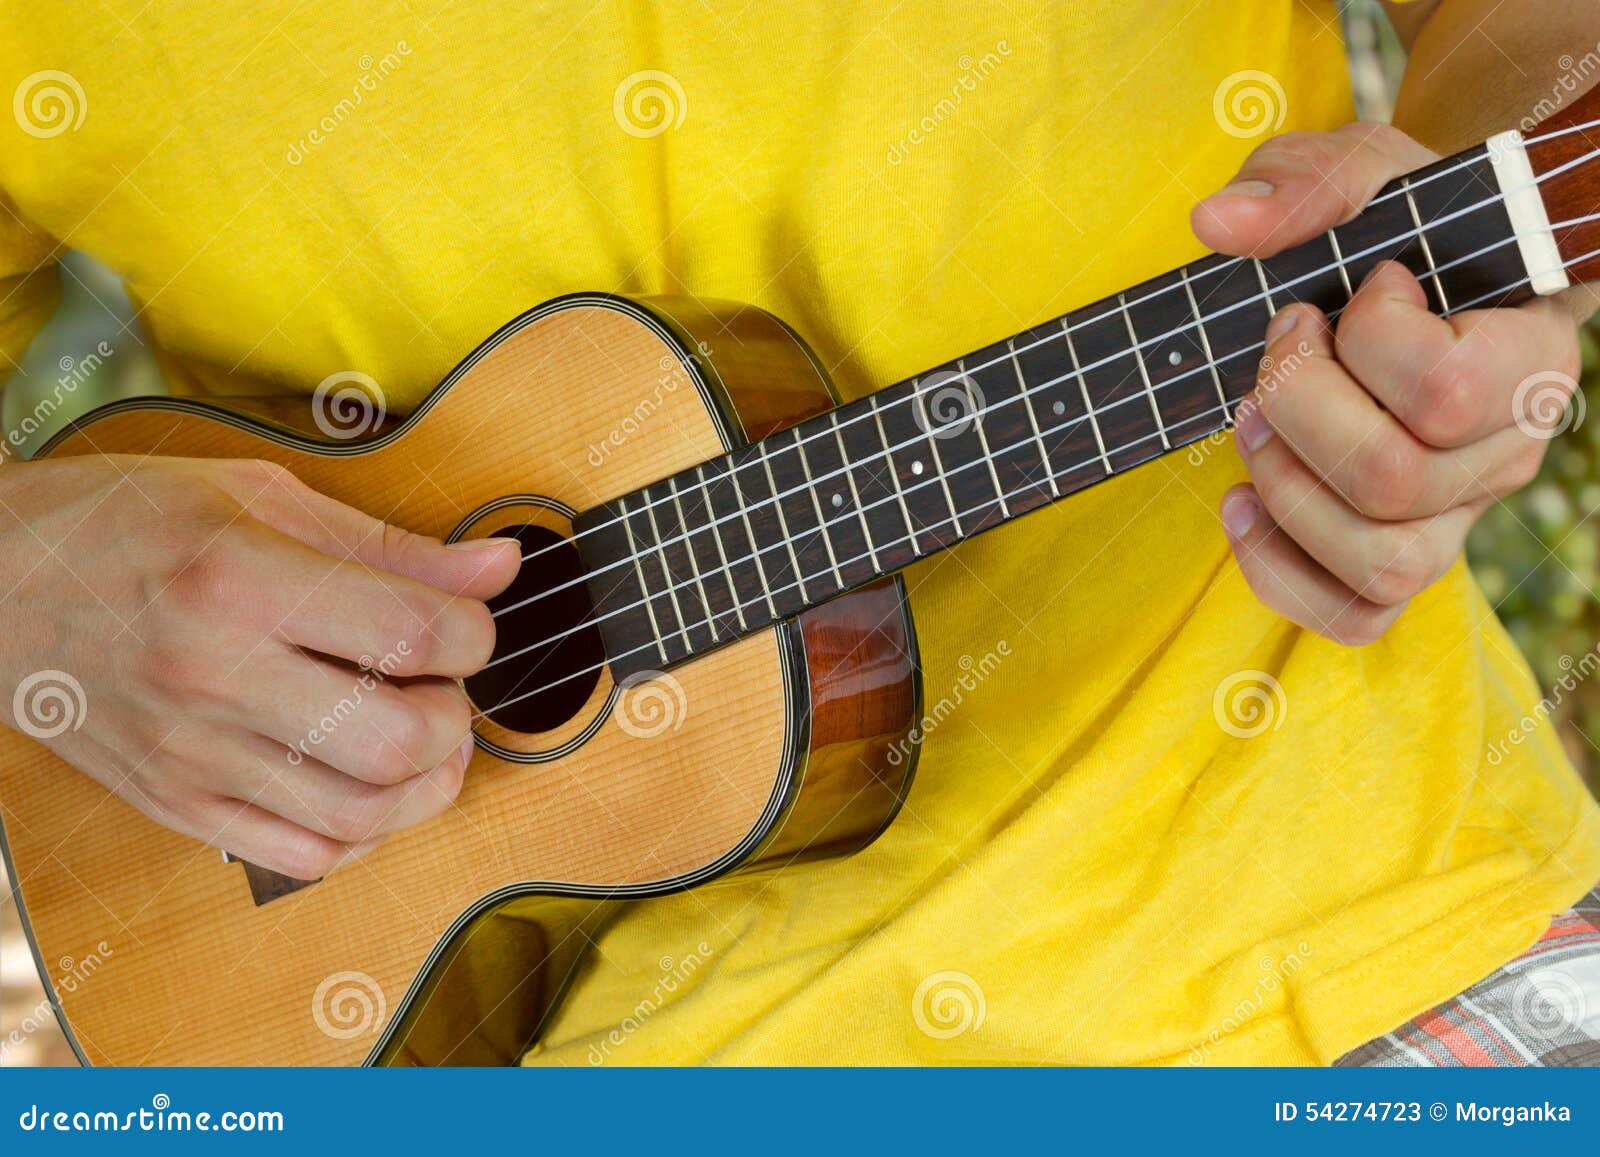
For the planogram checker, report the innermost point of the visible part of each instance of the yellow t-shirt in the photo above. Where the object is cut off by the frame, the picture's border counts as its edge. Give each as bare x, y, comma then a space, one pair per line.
1099, 862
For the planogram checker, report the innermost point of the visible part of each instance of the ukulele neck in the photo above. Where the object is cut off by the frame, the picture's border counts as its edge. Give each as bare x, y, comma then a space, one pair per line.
770, 529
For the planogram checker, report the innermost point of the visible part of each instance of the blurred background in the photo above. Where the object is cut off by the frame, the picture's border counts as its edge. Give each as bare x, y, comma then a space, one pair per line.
1535, 554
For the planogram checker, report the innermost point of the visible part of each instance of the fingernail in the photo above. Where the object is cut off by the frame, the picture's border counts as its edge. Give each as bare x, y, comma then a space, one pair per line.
1252, 427
480, 543
1239, 514
1282, 324
465, 754
1246, 189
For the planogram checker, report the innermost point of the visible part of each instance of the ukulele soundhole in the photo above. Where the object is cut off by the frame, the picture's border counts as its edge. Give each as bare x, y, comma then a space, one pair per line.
546, 663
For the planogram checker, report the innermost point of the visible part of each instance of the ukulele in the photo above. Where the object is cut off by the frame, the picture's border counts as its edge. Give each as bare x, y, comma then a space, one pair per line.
706, 664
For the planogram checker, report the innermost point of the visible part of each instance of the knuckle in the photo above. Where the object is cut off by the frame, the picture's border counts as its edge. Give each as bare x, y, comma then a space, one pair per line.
1388, 478
308, 857
1402, 575
405, 627
359, 812
1358, 626
378, 759
1444, 410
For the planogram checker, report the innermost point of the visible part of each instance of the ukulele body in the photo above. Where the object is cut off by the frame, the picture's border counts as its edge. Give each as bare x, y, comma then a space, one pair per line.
454, 940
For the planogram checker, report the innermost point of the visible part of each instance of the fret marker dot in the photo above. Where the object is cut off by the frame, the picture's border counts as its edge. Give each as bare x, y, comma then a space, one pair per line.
1175, 358
838, 501
1058, 409
916, 467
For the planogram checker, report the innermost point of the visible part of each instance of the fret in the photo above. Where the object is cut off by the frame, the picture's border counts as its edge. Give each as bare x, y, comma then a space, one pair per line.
1144, 370
1266, 290
823, 524
1020, 469
672, 581
686, 547
619, 597
1427, 250
1205, 345
929, 510
952, 409
1183, 383
838, 507
717, 599
1033, 418
1471, 266
638, 562
755, 547
934, 428
715, 529
979, 416
1310, 273
883, 508
1119, 400
1229, 293
1383, 233
1083, 392
849, 471
768, 503
1338, 260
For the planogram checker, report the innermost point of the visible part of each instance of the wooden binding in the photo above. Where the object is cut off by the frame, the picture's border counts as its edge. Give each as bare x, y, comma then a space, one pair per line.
1573, 194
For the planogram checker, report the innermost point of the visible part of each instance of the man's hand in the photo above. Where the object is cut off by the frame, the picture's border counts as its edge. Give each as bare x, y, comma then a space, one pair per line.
1376, 441
217, 614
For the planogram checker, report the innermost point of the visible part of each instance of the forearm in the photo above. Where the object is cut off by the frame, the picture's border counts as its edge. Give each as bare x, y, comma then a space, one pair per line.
1478, 67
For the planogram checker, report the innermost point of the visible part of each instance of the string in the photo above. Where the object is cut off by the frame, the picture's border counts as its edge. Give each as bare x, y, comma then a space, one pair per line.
1064, 332
1059, 335
912, 537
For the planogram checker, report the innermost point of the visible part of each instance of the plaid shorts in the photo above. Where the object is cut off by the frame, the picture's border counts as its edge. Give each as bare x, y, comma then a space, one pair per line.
1541, 1009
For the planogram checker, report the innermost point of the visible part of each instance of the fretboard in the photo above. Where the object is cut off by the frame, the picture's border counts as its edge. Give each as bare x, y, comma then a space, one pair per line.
766, 531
